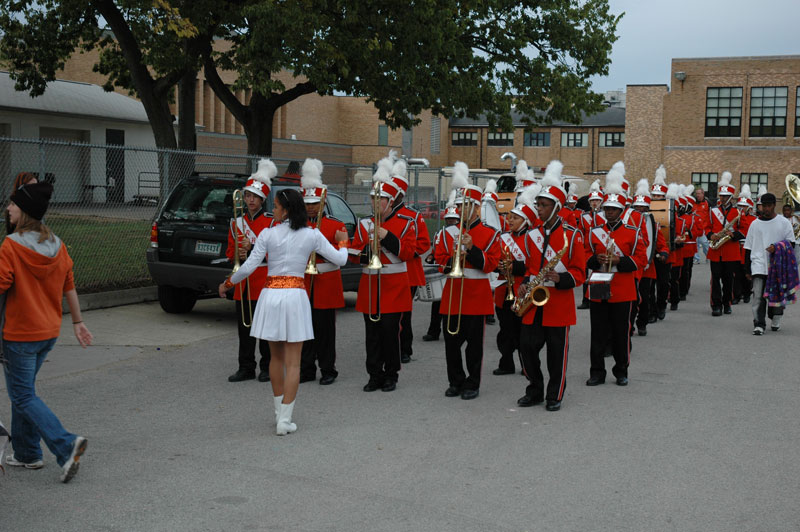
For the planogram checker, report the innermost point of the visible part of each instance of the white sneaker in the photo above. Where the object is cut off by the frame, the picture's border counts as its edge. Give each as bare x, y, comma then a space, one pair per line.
38, 464
70, 467
758, 331
776, 323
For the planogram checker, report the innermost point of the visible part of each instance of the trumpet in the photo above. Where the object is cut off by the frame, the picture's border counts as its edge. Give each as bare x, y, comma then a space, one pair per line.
375, 251
508, 273
610, 251
728, 226
534, 292
311, 267
458, 269
244, 293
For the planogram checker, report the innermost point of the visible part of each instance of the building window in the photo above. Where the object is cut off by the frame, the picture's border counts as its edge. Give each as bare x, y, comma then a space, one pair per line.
768, 111
538, 138
724, 112
465, 139
707, 181
383, 135
754, 180
436, 134
612, 140
574, 140
500, 139
797, 114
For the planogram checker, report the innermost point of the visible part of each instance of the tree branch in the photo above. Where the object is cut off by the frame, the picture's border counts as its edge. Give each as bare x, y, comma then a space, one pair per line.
237, 108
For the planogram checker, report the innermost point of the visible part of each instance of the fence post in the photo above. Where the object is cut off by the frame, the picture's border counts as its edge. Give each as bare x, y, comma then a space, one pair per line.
165, 177
41, 160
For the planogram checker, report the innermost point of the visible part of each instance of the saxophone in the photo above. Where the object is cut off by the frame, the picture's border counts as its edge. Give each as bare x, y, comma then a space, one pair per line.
728, 226
534, 292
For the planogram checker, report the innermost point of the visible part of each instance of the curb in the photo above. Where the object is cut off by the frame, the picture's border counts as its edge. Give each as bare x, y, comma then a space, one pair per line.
116, 298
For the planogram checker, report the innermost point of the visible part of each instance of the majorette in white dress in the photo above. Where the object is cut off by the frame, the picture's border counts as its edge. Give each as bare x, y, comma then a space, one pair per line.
284, 314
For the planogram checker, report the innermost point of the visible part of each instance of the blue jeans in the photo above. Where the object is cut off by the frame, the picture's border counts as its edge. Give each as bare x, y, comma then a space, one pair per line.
31, 419
702, 242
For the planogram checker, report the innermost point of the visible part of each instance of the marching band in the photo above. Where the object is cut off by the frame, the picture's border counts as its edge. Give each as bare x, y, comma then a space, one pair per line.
630, 254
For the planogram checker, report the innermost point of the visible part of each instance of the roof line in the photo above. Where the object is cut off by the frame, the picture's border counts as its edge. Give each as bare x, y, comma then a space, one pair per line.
736, 58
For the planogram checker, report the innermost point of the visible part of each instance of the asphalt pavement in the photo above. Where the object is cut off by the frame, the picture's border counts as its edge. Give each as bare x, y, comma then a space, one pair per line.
704, 437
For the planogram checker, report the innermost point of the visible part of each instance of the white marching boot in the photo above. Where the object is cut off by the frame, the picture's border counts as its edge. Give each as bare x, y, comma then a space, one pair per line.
285, 425
278, 400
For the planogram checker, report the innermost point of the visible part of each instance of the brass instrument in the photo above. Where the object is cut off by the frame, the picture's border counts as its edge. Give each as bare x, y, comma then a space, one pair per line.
534, 292
375, 250
508, 272
239, 210
728, 226
611, 249
311, 267
458, 267
793, 190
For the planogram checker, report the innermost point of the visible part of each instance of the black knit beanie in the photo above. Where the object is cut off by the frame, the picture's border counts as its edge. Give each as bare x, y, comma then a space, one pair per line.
33, 199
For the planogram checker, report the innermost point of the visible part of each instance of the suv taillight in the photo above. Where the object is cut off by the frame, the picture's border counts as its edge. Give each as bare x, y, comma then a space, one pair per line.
154, 235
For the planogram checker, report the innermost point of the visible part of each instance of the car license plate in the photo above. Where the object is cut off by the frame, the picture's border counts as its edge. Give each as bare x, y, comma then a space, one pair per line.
207, 248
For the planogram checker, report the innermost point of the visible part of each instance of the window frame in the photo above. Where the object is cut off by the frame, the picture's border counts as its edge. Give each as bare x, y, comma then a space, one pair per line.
697, 179
569, 139
383, 135
499, 138
533, 138
797, 112
465, 138
716, 95
773, 130
750, 175
618, 139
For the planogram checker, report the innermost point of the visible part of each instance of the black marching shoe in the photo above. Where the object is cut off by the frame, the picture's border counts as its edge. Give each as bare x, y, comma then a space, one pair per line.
389, 386
242, 375
469, 394
642, 330
595, 381
683, 297
673, 306
662, 313
502, 371
307, 378
263, 376
526, 400
327, 379
727, 309
584, 304
452, 391
405, 359
490, 320
716, 311
430, 338
622, 381
746, 299
652, 319
372, 385
553, 406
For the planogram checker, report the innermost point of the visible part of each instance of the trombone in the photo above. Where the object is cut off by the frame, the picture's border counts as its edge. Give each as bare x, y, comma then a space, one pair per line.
458, 269
238, 210
375, 252
311, 267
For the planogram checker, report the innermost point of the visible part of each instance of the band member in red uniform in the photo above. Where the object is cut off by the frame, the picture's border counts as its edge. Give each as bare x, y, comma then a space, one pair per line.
549, 323
724, 259
416, 275
467, 301
512, 244
324, 289
657, 251
694, 230
247, 229
659, 290
568, 213
620, 249
675, 258
384, 294
741, 285
435, 326
588, 220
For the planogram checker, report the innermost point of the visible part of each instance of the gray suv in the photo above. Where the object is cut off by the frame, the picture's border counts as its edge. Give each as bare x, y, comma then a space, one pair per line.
186, 256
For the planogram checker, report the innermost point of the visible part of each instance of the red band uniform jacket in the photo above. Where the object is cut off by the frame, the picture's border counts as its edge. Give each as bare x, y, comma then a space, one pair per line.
634, 218
729, 252
676, 255
515, 243
397, 247
416, 275
629, 247
694, 229
744, 226
249, 229
559, 311
481, 260
328, 291
661, 248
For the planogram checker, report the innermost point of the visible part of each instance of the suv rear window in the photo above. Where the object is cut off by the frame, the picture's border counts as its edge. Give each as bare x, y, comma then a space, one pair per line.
205, 202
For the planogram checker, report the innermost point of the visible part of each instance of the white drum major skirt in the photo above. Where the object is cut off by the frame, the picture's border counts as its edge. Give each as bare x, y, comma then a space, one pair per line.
282, 315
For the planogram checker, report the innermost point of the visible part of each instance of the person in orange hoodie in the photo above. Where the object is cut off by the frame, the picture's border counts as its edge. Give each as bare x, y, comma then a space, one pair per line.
35, 274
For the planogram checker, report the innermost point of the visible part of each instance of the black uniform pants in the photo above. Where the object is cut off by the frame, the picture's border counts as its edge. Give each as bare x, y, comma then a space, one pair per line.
675, 285
435, 326
247, 343
613, 318
662, 284
406, 334
686, 276
322, 348
722, 282
383, 347
508, 336
635, 306
741, 285
645, 286
533, 337
471, 332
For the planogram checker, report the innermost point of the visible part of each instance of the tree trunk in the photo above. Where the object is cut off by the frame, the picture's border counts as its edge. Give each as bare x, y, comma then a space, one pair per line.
260, 115
187, 134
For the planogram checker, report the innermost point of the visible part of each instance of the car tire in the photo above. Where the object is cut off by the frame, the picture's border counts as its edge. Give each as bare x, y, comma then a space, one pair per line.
174, 300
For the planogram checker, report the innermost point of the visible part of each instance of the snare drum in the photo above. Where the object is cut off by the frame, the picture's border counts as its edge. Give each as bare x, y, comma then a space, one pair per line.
434, 286
664, 213
599, 284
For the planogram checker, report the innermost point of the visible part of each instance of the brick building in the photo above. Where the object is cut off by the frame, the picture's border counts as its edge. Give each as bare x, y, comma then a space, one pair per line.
739, 114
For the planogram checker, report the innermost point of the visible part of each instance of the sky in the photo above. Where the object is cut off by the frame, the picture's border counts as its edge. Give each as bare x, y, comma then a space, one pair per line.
653, 32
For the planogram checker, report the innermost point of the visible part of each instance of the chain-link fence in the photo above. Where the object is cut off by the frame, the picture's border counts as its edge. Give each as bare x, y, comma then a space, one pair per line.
106, 196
